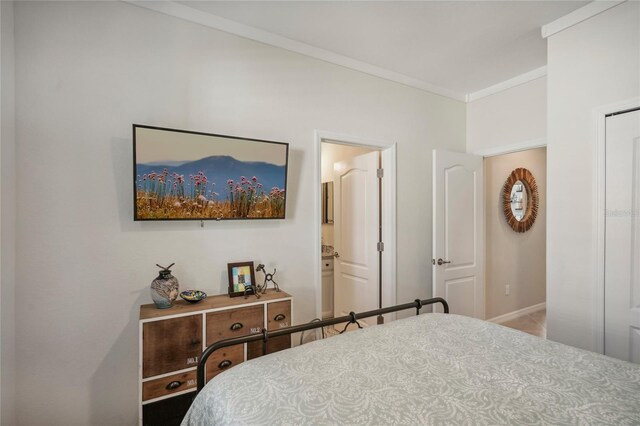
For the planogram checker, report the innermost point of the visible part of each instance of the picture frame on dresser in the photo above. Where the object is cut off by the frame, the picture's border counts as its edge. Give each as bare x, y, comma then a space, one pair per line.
242, 279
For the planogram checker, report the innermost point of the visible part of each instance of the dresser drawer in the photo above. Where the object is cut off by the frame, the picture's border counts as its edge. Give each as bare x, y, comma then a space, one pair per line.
275, 344
167, 412
171, 344
278, 315
168, 385
223, 359
234, 323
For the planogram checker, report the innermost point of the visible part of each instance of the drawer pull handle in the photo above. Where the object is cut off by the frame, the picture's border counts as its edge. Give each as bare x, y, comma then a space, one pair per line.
174, 385
279, 317
236, 326
195, 341
224, 364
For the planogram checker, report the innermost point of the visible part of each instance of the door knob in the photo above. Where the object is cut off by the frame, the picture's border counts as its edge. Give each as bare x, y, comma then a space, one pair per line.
442, 262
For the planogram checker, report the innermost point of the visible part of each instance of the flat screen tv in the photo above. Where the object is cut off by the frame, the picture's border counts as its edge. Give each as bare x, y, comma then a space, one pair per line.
184, 175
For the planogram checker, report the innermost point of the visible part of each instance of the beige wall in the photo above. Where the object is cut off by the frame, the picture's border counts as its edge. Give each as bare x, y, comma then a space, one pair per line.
590, 65
8, 219
509, 118
508, 121
84, 72
331, 154
512, 258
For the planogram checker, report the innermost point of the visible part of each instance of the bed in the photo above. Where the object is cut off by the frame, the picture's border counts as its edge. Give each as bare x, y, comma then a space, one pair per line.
426, 369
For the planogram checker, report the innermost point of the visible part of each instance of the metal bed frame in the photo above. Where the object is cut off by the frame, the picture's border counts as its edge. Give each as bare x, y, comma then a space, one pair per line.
265, 335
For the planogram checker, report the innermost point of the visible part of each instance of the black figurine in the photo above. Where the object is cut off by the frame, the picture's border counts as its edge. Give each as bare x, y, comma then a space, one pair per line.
267, 278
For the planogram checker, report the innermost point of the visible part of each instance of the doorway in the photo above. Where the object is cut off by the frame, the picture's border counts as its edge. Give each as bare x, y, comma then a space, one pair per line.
516, 261
356, 227
622, 236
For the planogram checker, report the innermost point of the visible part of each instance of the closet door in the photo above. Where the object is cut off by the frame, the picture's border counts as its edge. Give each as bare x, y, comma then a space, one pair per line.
622, 237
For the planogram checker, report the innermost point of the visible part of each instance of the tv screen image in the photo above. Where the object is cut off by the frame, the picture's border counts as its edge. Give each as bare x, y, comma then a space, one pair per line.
184, 175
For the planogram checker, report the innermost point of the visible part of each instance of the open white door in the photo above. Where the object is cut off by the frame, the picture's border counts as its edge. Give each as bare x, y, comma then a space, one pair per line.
458, 232
622, 237
356, 225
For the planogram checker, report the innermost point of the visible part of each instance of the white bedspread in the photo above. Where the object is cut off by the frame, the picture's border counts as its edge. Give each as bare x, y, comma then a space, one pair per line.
427, 369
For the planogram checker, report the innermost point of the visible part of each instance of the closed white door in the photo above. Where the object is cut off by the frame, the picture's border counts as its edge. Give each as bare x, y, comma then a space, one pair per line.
458, 232
622, 237
356, 227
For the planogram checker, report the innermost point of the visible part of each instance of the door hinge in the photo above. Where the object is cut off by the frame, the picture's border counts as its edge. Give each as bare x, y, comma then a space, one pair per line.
380, 173
380, 246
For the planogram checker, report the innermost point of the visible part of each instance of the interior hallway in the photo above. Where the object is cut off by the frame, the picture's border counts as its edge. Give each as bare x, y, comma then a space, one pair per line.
534, 323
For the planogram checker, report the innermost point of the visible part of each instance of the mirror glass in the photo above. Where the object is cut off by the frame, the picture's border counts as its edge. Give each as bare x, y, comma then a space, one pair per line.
518, 200
327, 202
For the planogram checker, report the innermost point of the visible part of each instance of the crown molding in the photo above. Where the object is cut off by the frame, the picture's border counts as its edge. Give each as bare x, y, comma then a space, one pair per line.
212, 21
507, 84
190, 14
590, 10
511, 148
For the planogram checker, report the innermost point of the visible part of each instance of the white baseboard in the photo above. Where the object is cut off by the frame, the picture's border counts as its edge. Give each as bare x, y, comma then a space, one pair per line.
515, 314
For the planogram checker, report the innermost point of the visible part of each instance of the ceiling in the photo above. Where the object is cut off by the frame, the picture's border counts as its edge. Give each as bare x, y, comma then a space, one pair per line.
459, 46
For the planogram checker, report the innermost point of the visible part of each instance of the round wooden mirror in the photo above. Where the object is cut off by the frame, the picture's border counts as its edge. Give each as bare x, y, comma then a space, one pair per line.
520, 200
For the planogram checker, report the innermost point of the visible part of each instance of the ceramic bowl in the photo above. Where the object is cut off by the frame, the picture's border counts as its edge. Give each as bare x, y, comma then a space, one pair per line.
193, 296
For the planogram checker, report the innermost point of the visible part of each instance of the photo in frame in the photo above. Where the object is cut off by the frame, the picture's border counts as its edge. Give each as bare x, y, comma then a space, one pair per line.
242, 278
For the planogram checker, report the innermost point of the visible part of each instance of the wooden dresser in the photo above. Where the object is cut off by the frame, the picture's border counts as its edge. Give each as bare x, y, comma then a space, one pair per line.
172, 340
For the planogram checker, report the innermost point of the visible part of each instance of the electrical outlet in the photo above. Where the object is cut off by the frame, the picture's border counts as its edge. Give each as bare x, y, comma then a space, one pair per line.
506, 290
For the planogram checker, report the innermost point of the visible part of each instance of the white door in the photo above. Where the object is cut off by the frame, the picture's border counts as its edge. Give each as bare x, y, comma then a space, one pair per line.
356, 227
622, 237
458, 232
